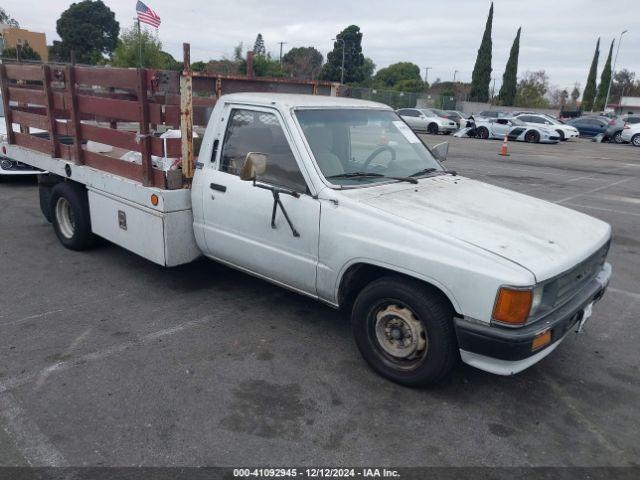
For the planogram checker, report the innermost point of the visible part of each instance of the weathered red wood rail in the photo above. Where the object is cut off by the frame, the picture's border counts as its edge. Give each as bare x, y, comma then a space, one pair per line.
70, 105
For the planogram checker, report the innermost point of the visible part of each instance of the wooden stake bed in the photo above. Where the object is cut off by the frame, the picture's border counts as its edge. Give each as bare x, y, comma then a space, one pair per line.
125, 109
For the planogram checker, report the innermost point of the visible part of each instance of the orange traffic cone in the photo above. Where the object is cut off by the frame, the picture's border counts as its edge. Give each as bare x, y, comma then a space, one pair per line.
503, 151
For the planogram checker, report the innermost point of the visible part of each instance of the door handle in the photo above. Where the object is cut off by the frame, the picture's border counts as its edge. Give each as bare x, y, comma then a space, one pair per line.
218, 187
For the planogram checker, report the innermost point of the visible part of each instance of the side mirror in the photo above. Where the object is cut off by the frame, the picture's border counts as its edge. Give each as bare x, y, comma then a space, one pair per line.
254, 165
441, 151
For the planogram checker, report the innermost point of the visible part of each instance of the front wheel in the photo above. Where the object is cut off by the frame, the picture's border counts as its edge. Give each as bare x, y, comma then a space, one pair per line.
532, 137
561, 135
482, 133
432, 129
404, 330
635, 140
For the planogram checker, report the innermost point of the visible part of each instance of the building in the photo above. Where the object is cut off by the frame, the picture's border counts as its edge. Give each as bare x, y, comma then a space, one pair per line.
629, 105
11, 37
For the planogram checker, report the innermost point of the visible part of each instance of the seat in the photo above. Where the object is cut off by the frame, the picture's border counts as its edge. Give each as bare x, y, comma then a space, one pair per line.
321, 142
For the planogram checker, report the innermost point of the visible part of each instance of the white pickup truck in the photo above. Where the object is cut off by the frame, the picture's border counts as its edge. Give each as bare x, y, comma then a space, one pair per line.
338, 199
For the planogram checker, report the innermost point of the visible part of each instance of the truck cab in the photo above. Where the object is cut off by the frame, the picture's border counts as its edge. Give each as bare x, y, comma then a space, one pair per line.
338, 199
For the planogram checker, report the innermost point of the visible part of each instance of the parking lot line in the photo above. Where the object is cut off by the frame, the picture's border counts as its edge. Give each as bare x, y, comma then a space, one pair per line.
593, 190
33, 445
610, 210
625, 292
44, 373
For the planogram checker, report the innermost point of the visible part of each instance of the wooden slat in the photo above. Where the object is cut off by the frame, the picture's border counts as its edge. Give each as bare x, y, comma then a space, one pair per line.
34, 143
31, 120
4, 85
172, 115
155, 114
108, 136
122, 168
145, 139
66, 151
26, 95
107, 77
24, 72
74, 111
51, 113
109, 108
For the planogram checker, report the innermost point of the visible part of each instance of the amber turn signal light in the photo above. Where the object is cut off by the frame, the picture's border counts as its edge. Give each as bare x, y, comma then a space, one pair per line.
154, 200
512, 306
541, 340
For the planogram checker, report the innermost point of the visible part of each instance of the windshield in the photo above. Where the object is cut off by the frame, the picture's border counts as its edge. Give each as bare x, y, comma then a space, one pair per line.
440, 113
517, 121
358, 147
553, 120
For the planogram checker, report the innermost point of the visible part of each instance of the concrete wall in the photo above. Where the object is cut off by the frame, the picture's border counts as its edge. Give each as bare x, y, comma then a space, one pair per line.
476, 107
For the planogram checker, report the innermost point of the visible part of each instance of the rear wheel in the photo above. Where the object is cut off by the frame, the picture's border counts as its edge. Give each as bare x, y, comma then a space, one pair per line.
432, 128
532, 136
69, 209
635, 140
617, 137
482, 132
404, 330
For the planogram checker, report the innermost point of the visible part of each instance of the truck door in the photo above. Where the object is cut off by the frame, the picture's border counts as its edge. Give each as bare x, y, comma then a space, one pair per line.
237, 215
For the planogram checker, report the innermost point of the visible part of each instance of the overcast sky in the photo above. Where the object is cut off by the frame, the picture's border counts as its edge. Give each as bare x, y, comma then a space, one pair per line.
557, 35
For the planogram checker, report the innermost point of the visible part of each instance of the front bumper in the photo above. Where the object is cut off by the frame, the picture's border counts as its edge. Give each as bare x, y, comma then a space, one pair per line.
506, 351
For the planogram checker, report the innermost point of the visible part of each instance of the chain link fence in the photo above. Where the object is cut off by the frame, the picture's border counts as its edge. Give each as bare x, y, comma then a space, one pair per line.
392, 98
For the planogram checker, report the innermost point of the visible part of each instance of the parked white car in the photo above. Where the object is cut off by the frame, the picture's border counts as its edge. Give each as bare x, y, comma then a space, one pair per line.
425, 120
514, 129
631, 134
565, 132
9, 166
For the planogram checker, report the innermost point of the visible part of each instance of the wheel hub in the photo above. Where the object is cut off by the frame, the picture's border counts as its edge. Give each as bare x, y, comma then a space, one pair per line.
65, 217
399, 333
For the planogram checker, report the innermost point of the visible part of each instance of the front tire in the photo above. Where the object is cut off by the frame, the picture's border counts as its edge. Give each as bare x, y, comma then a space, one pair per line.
635, 140
561, 135
432, 129
482, 132
69, 209
404, 330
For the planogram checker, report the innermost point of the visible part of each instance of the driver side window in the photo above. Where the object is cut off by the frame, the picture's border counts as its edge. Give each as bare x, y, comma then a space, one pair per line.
260, 132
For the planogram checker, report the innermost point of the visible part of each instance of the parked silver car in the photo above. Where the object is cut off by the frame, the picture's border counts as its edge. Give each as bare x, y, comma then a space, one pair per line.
425, 120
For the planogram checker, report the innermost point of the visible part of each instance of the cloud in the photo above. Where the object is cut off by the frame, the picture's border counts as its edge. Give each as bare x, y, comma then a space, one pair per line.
557, 36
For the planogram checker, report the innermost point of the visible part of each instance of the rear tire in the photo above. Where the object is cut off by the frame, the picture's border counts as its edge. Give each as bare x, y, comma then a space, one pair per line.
532, 136
432, 129
635, 140
44, 192
617, 137
69, 207
404, 330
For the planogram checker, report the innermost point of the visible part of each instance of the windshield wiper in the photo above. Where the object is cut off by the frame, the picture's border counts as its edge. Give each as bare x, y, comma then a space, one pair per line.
426, 171
372, 175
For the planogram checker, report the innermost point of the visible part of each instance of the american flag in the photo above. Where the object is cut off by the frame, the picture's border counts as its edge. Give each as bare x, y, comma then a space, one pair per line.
146, 15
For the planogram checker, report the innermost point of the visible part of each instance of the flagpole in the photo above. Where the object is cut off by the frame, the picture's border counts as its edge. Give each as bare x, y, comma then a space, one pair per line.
139, 44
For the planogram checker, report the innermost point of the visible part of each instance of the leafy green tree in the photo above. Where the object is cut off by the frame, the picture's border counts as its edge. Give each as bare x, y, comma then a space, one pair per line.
507, 95
25, 52
589, 93
532, 89
302, 62
87, 28
402, 76
367, 69
605, 78
258, 46
481, 76
199, 66
8, 19
126, 53
264, 66
353, 58
624, 84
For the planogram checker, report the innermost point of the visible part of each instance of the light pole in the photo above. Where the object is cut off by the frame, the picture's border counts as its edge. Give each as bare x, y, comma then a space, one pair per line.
455, 72
615, 60
343, 47
281, 44
426, 73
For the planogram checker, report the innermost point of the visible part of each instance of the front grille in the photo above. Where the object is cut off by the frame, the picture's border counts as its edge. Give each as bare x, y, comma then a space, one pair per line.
571, 282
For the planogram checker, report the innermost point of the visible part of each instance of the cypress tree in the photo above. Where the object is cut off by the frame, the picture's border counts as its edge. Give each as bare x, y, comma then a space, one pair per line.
589, 92
481, 76
605, 78
507, 93
258, 46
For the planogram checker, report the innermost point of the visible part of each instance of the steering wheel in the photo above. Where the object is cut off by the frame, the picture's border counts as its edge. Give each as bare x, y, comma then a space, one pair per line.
377, 152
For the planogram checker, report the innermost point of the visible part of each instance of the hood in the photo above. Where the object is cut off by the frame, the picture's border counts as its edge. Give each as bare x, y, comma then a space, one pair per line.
545, 238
